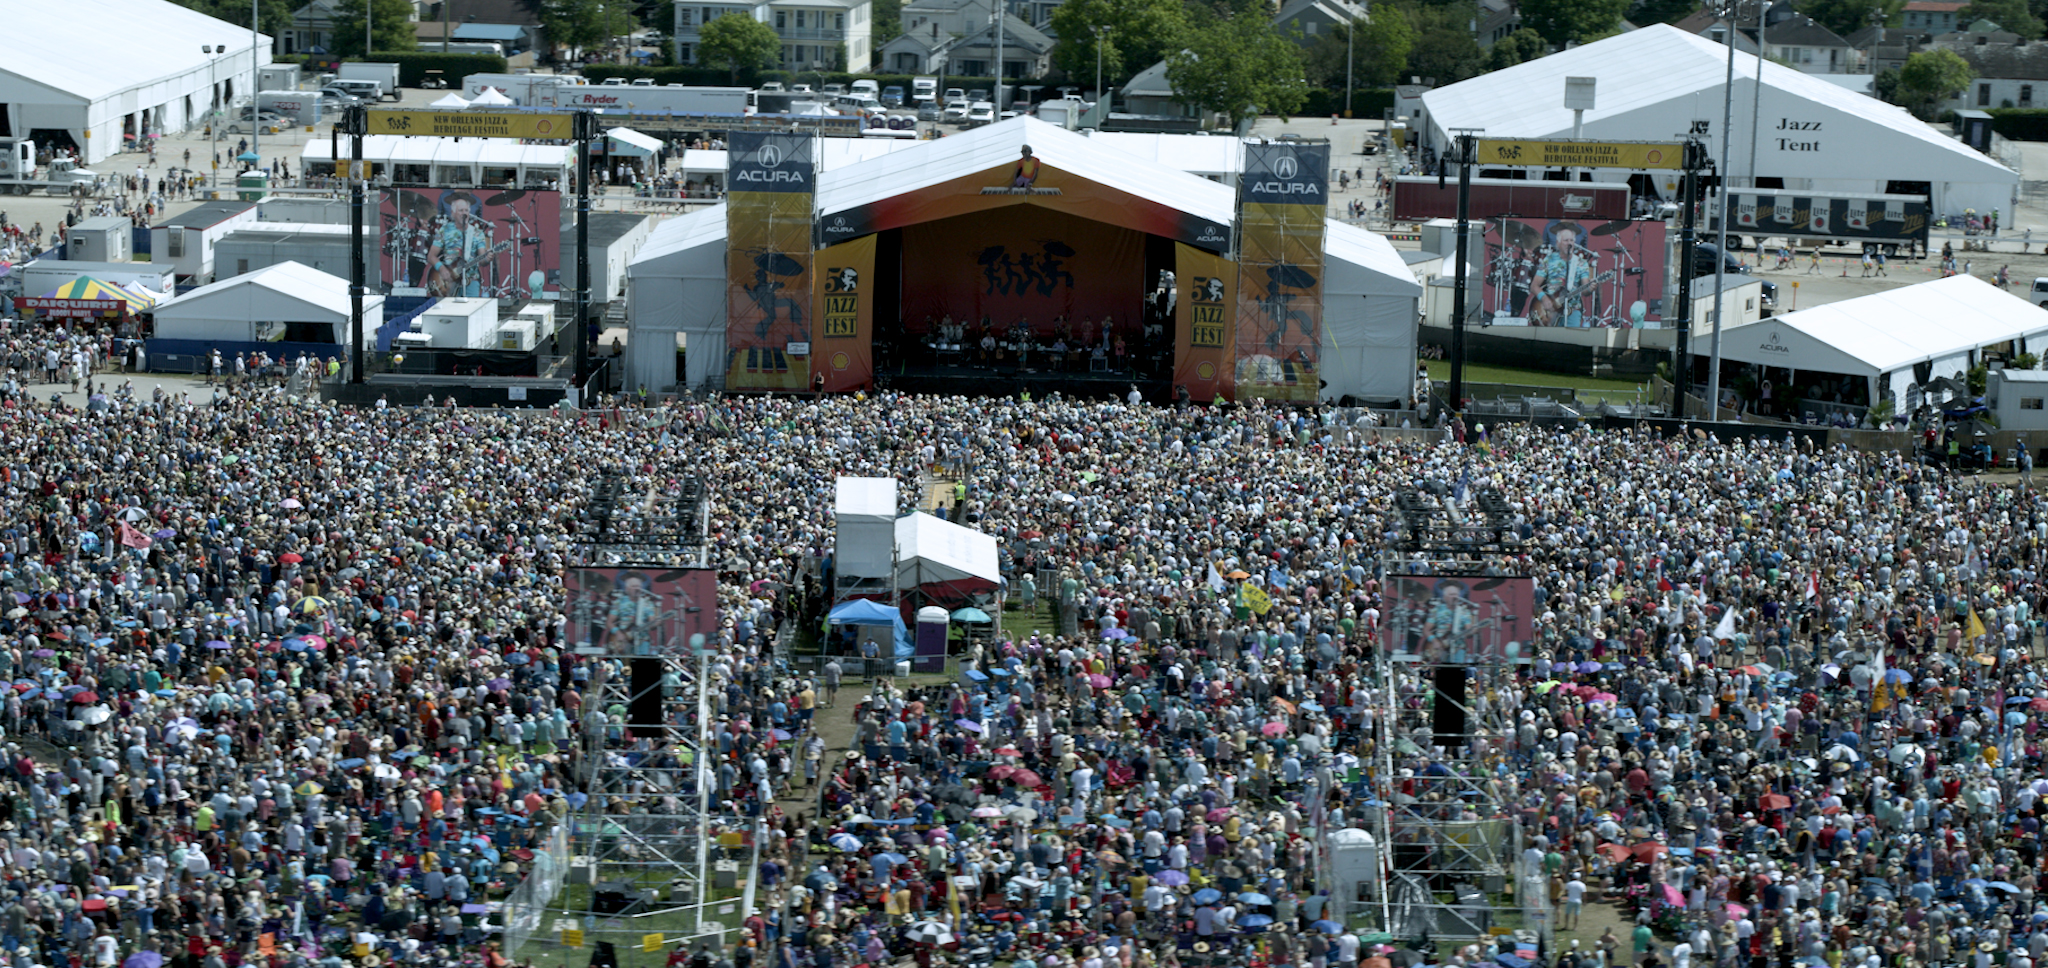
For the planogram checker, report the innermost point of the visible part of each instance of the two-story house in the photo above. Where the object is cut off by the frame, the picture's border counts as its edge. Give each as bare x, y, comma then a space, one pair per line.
816, 34
1308, 19
941, 35
2012, 71
1808, 47
1932, 16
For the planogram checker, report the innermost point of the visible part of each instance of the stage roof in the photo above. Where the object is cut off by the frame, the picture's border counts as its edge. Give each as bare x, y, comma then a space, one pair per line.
1886, 332
931, 163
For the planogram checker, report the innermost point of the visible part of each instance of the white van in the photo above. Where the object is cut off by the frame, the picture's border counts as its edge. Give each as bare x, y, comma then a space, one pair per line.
858, 103
869, 88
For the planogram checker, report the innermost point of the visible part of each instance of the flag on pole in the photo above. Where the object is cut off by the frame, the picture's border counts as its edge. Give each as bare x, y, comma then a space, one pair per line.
1216, 579
133, 538
1976, 629
1726, 629
1813, 586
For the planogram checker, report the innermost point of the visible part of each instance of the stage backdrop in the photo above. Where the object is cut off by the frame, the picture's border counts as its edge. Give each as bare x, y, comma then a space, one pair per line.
455, 242
768, 217
1283, 198
1029, 262
843, 341
1573, 272
1204, 310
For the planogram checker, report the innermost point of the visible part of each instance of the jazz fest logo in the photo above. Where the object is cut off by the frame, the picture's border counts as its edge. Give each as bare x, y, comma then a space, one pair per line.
1207, 301
1022, 273
842, 302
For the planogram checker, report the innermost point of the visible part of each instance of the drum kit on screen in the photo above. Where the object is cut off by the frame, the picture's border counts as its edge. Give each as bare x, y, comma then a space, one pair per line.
472, 267
1515, 262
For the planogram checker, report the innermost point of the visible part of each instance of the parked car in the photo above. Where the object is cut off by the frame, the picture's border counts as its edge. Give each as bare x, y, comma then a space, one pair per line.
956, 110
265, 121
980, 113
614, 82
954, 94
893, 95
979, 94
772, 87
337, 98
800, 89
833, 89
929, 111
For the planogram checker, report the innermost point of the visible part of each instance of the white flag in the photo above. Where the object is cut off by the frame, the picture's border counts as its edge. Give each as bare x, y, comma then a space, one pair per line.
1725, 630
1216, 579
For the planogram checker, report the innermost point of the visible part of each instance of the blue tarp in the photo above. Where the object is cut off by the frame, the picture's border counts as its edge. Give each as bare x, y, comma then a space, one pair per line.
864, 611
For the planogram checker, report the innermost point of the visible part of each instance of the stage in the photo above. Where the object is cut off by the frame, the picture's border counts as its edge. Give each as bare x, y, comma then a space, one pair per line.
972, 381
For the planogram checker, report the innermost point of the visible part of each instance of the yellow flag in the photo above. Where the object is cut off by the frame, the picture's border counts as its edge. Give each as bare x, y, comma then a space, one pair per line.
953, 898
1976, 629
1255, 598
1880, 698
650, 941
572, 937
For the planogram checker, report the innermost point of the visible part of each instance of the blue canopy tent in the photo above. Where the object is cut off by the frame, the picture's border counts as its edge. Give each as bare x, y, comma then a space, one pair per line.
864, 611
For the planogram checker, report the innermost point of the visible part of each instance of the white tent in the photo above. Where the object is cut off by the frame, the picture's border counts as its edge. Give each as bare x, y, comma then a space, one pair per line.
931, 551
627, 141
1899, 340
864, 527
258, 305
452, 100
677, 282
96, 69
1653, 83
491, 97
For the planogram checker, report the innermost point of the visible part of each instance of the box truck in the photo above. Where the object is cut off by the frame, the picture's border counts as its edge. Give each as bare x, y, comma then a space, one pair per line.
384, 75
302, 107
672, 99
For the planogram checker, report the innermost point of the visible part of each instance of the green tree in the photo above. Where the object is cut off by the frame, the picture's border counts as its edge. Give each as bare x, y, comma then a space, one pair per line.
1646, 12
1519, 47
574, 24
738, 43
1238, 67
391, 27
1139, 34
886, 20
1443, 50
2012, 15
1846, 17
1886, 84
1377, 58
1564, 22
1932, 75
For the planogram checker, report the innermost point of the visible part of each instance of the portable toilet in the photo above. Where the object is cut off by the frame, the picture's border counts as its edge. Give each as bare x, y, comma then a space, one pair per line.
933, 624
253, 185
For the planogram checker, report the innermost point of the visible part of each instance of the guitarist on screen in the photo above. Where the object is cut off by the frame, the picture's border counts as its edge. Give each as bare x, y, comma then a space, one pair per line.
461, 241
1561, 281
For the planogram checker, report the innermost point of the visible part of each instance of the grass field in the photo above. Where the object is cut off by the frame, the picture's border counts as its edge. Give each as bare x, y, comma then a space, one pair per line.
1588, 387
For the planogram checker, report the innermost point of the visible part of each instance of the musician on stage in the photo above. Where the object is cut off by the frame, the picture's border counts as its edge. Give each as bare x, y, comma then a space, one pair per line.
460, 242
1559, 286
1447, 632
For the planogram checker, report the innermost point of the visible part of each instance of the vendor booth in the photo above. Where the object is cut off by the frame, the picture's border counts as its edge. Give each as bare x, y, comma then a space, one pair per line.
87, 298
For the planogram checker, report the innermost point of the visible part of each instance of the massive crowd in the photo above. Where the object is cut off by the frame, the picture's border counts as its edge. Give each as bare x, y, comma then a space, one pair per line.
285, 681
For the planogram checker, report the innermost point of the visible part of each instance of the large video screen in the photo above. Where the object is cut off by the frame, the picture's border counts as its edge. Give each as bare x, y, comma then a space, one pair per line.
1578, 274
460, 242
639, 611
1458, 620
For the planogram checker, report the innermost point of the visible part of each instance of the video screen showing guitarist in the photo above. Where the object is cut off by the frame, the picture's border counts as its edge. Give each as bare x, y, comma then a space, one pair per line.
462, 242
1564, 278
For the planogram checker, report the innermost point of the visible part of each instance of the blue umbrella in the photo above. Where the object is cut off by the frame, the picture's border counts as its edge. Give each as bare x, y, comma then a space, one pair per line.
1254, 897
893, 857
2019, 700
1208, 895
1327, 926
295, 645
1254, 921
248, 156
144, 959
350, 763
2005, 886
844, 841
1312, 706
166, 693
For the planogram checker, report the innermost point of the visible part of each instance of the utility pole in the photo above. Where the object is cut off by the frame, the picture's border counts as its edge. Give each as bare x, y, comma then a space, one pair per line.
1098, 61
1756, 101
255, 85
445, 4
585, 131
1721, 240
1350, 32
369, 16
1468, 138
1002, 14
356, 121
1695, 160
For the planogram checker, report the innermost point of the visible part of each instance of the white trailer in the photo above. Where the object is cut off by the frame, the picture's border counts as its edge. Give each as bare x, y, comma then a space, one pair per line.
672, 99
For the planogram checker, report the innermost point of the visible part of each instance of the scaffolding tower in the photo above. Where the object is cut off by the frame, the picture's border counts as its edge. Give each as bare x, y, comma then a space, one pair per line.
1449, 841
644, 838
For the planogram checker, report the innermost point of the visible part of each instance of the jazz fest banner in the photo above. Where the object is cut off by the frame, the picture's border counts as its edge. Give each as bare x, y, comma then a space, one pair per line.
1031, 264
771, 178
1204, 307
1283, 198
842, 343
457, 242
639, 611
1573, 273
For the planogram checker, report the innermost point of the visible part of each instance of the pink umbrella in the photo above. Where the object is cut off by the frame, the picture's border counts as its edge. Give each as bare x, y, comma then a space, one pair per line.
1099, 681
1672, 897
1219, 814
1737, 911
1603, 697
1273, 729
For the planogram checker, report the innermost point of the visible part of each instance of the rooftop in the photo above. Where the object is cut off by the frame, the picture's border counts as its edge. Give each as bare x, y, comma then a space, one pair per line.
207, 215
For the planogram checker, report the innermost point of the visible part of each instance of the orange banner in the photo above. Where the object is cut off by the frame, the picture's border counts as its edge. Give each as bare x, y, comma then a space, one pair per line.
842, 341
1204, 317
1279, 300
768, 285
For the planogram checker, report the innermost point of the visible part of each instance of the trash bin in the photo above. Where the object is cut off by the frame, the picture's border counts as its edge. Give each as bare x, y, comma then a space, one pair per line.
252, 185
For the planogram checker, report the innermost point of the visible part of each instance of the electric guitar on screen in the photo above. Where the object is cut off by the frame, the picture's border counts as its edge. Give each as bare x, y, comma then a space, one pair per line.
447, 280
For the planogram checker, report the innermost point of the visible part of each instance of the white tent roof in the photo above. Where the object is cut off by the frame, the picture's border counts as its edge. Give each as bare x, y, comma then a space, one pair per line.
1187, 152
865, 497
705, 226
383, 149
646, 144
491, 97
993, 145
1652, 81
930, 550
286, 292
1886, 332
1349, 244
452, 99
95, 49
